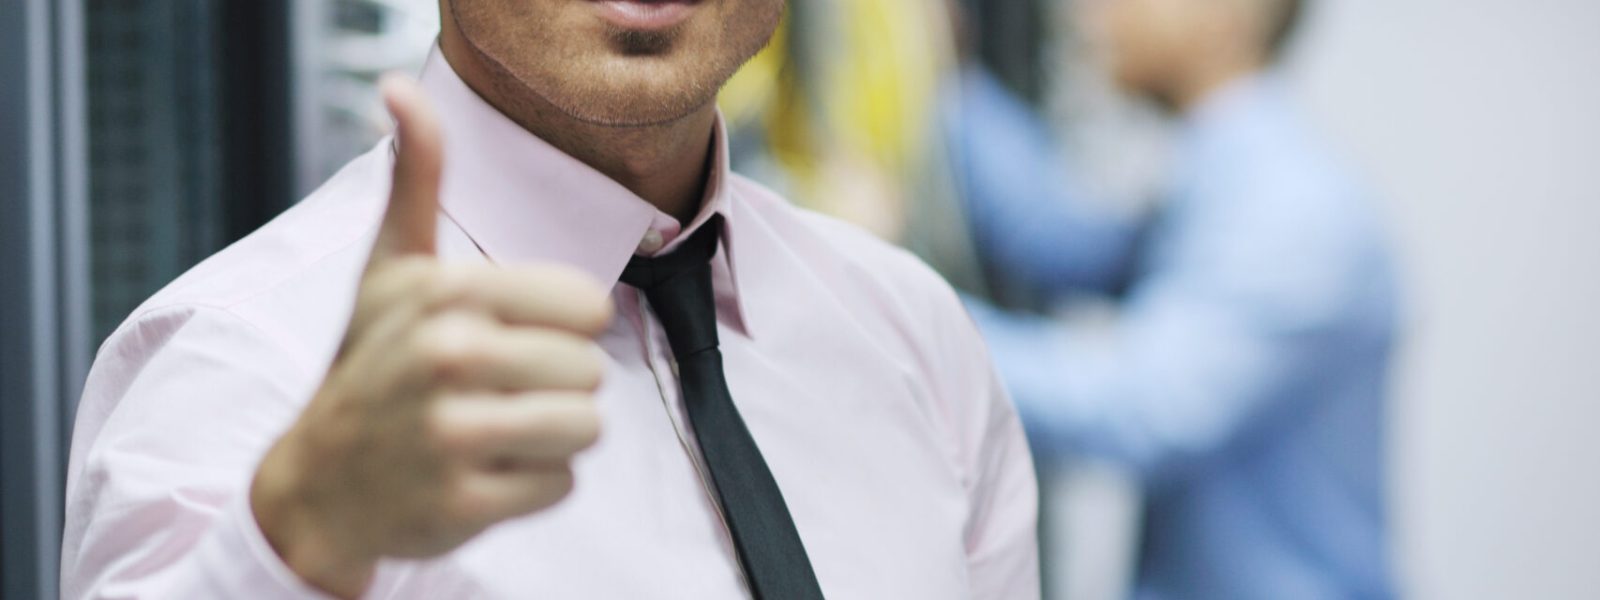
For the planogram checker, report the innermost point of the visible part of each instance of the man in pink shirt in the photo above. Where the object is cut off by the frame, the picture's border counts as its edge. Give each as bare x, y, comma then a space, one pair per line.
397, 388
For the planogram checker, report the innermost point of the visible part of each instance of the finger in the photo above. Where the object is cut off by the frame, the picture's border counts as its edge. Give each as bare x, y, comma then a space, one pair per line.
499, 432
491, 497
395, 291
410, 220
469, 351
554, 296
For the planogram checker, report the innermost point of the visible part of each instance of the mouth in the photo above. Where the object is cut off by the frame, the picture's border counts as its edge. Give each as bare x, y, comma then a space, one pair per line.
645, 15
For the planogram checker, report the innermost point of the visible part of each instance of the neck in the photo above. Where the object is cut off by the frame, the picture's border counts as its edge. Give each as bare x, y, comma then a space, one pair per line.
1204, 74
665, 164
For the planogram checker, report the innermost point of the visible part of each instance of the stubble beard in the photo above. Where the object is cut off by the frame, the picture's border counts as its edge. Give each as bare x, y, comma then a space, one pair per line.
603, 97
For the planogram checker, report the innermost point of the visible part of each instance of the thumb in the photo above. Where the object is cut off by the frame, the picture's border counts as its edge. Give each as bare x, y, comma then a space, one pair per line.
410, 221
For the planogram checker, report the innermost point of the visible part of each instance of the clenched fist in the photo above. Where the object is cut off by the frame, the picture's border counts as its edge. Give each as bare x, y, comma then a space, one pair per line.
457, 399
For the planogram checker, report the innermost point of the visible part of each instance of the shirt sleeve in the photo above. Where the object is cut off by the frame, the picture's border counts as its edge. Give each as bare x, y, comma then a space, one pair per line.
178, 409
1033, 225
1247, 315
1002, 541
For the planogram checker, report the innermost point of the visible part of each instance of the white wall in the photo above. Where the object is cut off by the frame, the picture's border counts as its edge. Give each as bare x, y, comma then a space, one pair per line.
1479, 120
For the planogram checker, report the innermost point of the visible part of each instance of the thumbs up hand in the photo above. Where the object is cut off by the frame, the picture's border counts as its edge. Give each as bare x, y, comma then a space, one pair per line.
457, 399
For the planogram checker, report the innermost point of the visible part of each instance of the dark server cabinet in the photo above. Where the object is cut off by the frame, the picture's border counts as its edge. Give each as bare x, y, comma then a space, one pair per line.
136, 138
189, 136
41, 281
1011, 36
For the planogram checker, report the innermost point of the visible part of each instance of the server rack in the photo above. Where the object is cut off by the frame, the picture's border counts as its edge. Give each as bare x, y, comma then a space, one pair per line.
190, 135
137, 137
145, 135
1011, 37
43, 280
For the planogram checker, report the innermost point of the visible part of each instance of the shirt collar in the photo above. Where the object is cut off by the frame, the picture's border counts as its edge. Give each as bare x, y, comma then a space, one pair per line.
521, 200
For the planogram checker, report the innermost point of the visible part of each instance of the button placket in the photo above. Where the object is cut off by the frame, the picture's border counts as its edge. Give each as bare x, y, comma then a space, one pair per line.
654, 354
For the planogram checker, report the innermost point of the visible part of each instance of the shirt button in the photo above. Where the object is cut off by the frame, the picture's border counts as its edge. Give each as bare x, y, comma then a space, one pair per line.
651, 243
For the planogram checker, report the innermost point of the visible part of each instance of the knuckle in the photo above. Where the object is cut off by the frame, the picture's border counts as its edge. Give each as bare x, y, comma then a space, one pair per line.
585, 427
500, 431
563, 361
587, 366
473, 505
446, 433
538, 423
443, 360
445, 346
587, 303
599, 316
444, 287
557, 425
572, 425
557, 483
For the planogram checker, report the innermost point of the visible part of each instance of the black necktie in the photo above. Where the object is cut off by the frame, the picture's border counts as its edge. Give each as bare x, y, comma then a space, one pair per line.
678, 287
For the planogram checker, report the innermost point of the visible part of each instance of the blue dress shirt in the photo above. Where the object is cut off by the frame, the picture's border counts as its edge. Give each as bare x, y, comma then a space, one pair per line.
1245, 376
1033, 230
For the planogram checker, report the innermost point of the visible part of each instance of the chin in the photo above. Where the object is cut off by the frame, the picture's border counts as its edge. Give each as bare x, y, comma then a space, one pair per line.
629, 91
1135, 82
601, 70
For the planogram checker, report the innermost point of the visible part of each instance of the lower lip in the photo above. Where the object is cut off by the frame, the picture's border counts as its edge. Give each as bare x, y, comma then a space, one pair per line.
645, 15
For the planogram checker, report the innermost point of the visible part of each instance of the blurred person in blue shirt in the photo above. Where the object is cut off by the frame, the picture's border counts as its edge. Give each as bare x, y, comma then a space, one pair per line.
1244, 377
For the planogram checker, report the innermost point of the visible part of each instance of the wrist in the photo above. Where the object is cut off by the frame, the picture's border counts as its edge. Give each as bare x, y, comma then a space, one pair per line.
297, 528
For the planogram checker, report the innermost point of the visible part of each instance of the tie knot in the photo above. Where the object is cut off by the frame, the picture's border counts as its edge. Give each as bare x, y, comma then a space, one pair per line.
678, 286
647, 273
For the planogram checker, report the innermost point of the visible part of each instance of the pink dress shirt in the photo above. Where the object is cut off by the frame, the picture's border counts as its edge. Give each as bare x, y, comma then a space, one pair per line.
857, 370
